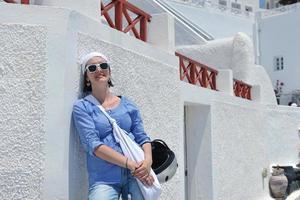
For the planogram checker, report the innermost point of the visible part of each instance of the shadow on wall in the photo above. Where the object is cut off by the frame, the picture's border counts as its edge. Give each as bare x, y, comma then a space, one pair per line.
78, 177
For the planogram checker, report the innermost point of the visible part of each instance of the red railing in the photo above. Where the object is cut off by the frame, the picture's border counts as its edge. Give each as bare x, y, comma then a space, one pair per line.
196, 73
121, 10
242, 89
13, 1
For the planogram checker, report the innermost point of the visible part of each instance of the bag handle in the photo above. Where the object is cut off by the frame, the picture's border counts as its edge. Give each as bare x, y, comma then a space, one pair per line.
162, 142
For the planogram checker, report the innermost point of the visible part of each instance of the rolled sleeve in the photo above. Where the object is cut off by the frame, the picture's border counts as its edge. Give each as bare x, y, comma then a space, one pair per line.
85, 127
137, 127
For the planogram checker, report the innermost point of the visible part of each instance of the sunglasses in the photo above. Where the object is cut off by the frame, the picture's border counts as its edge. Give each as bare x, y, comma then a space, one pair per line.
93, 67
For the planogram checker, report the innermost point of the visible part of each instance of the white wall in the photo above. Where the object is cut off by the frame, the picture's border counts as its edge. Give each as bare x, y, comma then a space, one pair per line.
239, 140
279, 36
41, 154
64, 36
22, 110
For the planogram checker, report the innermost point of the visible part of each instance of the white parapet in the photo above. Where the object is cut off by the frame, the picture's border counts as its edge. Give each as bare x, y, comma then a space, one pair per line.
90, 8
225, 81
161, 32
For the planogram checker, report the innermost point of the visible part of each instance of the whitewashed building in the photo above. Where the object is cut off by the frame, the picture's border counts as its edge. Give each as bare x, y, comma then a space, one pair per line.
223, 142
274, 33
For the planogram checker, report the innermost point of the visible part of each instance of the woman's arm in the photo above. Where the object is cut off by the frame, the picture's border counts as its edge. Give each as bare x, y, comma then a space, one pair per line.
112, 156
148, 154
137, 127
145, 166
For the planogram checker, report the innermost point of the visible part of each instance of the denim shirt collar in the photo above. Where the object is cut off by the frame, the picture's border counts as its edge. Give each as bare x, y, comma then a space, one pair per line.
92, 99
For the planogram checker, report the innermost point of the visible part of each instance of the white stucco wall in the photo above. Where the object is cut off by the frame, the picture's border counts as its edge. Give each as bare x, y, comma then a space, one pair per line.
240, 138
22, 110
229, 139
138, 71
262, 137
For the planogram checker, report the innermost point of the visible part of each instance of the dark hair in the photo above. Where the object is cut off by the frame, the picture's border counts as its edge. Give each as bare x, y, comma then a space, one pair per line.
89, 88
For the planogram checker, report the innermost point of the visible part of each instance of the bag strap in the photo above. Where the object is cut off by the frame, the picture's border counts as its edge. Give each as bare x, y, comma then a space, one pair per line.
111, 120
92, 99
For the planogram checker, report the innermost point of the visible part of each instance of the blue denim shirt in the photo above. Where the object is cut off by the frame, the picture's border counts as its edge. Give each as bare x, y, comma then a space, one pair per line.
94, 130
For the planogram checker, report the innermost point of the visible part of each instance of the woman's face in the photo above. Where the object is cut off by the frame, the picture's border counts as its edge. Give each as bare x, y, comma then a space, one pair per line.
100, 76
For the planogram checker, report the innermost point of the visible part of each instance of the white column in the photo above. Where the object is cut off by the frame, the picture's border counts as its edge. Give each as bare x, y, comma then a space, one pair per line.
256, 93
225, 81
161, 32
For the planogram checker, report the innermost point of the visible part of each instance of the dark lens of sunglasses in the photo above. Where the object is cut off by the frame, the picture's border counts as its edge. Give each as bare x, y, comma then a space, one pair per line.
92, 68
104, 65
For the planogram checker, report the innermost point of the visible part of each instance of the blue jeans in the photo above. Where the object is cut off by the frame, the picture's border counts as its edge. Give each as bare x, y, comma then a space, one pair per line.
127, 187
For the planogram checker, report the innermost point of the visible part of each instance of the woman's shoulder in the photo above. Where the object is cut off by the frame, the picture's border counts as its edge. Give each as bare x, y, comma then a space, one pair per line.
128, 103
78, 102
81, 103
125, 99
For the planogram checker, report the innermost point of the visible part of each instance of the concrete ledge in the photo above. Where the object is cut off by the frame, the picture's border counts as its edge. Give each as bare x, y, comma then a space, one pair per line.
90, 8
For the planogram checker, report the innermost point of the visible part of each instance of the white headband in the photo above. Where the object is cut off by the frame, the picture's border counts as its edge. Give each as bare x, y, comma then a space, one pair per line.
84, 59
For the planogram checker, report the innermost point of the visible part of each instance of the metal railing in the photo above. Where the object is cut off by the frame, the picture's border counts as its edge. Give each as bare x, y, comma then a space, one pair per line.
121, 12
196, 73
184, 20
13, 1
279, 11
242, 89
208, 4
199, 74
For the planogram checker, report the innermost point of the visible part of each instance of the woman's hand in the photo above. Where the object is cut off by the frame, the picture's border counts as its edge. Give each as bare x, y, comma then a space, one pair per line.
143, 170
132, 166
149, 180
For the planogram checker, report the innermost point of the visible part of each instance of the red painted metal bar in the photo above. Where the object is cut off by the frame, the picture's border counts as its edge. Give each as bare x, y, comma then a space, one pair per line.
143, 28
119, 15
197, 63
196, 72
104, 11
136, 10
242, 89
13, 1
121, 8
9, 1
131, 24
25, 2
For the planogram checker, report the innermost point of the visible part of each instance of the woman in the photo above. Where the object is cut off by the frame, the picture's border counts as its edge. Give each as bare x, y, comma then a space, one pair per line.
111, 174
